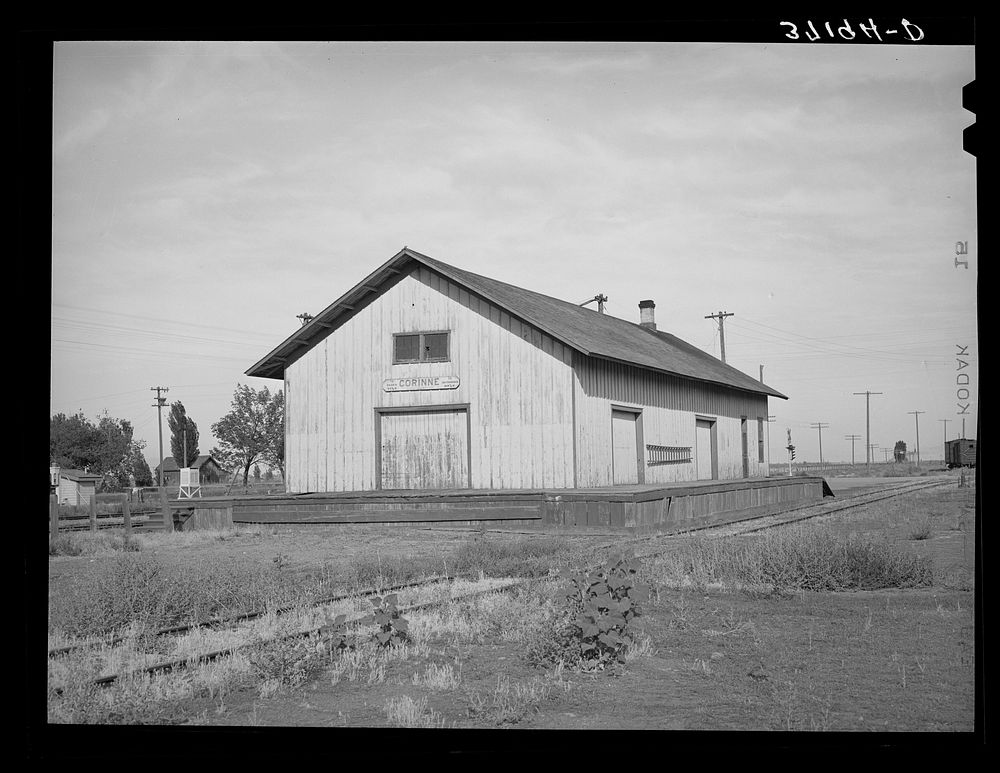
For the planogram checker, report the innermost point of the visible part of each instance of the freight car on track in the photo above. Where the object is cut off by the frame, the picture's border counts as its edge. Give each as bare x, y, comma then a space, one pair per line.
960, 453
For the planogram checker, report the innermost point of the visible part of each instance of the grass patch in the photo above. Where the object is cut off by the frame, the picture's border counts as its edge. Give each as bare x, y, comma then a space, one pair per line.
480, 556
435, 677
385, 571
922, 530
404, 711
793, 560
136, 588
91, 544
504, 558
511, 702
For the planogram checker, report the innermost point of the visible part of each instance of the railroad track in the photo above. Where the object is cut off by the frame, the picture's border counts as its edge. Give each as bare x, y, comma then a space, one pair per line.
207, 657
816, 510
771, 520
216, 622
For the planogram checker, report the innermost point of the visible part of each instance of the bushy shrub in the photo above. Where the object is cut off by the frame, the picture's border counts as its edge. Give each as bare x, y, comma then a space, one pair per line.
593, 628
791, 560
392, 627
277, 664
136, 588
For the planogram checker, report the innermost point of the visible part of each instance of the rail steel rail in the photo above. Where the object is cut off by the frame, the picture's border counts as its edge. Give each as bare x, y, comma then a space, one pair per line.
807, 512
768, 520
207, 657
244, 616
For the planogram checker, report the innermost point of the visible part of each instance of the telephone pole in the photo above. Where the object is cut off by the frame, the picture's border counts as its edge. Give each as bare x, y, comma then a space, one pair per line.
852, 438
160, 402
819, 425
722, 331
916, 418
871, 449
945, 446
868, 425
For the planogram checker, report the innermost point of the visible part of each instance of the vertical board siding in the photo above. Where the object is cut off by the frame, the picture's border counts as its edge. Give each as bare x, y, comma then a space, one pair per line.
522, 425
669, 405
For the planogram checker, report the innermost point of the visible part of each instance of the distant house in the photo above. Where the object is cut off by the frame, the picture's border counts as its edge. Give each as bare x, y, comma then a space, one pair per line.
77, 487
209, 471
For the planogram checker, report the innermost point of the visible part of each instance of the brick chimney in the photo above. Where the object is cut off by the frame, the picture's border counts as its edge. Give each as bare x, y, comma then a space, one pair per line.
646, 314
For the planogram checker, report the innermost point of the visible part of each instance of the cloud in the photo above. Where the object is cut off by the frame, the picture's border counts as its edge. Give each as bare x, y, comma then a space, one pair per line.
83, 131
578, 62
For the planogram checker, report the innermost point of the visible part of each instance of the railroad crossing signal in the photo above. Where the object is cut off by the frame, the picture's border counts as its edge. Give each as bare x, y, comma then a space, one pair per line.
791, 451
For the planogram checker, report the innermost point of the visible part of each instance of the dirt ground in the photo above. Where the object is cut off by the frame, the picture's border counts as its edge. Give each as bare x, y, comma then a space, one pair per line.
897, 662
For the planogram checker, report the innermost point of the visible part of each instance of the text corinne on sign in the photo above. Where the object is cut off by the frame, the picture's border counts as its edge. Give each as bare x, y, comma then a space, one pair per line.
417, 383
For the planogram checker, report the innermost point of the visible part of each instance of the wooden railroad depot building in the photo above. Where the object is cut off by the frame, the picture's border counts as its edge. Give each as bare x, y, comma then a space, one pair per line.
425, 377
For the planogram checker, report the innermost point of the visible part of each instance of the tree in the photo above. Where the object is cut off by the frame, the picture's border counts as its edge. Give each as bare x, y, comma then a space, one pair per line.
106, 448
74, 442
277, 456
141, 472
256, 473
899, 452
253, 431
179, 421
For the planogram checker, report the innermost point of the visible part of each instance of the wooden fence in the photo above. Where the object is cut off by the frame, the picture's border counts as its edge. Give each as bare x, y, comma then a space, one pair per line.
159, 518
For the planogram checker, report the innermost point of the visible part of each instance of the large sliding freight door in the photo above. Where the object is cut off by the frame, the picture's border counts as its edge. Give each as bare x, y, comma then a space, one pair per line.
425, 449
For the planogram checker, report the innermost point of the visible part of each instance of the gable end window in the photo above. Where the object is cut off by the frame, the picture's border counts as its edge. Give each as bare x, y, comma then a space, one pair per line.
420, 347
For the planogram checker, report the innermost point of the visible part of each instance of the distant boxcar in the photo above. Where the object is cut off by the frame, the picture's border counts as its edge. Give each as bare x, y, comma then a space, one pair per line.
960, 453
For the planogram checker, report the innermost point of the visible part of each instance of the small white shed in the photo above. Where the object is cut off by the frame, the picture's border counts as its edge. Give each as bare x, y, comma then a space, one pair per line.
77, 487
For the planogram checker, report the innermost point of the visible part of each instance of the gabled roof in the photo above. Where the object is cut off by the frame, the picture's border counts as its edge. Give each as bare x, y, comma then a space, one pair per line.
585, 330
169, 465
79, 476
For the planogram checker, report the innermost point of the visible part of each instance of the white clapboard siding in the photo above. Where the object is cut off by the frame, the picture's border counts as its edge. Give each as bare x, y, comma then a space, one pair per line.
515, 380
669, 407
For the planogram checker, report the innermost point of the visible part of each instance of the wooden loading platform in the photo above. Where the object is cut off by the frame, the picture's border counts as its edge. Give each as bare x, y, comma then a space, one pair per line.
634, 508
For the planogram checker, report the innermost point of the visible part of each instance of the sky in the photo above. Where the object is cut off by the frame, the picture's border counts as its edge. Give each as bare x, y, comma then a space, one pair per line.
204, 194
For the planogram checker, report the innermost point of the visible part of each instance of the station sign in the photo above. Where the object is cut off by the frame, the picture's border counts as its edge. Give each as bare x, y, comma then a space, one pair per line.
420, 383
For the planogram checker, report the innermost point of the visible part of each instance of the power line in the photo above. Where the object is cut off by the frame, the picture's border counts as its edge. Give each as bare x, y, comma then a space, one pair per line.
152, 319
820, 340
